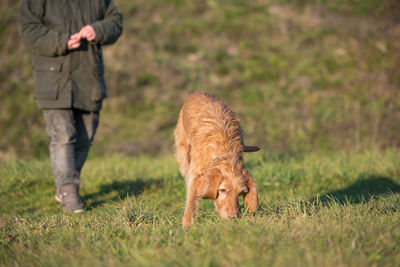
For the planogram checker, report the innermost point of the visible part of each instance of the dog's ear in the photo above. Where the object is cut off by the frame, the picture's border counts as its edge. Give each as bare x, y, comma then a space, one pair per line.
251, 198
208, 183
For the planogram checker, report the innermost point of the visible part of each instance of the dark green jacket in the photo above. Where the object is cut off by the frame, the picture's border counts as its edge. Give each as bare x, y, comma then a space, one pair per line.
65, 79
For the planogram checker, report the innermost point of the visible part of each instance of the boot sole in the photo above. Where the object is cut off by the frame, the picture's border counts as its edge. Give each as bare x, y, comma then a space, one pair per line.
78, 211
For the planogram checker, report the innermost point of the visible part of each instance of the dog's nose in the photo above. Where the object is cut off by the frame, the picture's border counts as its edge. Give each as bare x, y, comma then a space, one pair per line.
230, 214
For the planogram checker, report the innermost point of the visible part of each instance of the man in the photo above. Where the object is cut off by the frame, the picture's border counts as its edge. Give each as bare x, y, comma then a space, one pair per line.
65, 37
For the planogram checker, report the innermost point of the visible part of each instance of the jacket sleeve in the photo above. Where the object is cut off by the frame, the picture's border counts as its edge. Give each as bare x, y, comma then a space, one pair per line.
41, 39
110, 27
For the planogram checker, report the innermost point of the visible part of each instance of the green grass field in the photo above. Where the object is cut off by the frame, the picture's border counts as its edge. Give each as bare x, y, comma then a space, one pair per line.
315, 83
315, 210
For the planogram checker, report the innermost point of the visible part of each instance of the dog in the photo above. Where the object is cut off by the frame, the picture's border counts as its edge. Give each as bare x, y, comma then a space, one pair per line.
209, 150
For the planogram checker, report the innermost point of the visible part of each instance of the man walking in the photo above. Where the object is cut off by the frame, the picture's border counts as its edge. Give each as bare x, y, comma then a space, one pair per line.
65, 38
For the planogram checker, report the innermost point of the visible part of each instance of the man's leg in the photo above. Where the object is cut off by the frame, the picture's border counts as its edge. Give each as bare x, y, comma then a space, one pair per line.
60, 126
86, 123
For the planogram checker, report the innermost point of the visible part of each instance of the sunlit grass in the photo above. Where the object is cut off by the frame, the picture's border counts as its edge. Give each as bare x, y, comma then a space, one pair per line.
315, 209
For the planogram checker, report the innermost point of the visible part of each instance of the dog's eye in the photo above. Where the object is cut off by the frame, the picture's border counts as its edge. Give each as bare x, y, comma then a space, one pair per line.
221, 190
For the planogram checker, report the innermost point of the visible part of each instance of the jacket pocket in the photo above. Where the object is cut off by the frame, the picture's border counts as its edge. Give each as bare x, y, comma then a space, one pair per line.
48, 78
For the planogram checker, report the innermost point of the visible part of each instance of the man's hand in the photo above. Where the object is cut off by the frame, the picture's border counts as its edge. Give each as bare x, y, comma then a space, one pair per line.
88, 32
74, 41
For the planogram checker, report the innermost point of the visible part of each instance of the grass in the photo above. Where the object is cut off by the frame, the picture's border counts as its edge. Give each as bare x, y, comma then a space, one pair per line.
339, 209
314, 81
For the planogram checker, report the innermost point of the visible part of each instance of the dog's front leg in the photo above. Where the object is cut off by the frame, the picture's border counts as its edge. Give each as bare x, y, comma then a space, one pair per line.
191, 206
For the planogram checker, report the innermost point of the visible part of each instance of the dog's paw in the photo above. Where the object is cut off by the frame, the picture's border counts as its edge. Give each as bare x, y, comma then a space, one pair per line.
185, 227
186, 223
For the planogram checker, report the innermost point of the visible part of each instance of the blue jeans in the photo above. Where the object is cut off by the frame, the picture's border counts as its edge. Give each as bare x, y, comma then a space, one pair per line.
71, 132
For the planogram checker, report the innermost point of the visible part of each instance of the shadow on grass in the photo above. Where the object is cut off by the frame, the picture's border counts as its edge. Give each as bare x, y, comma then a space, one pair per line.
119, 190
364, 189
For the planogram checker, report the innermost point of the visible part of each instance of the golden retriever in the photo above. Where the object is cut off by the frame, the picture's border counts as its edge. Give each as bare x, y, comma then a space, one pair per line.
209, 149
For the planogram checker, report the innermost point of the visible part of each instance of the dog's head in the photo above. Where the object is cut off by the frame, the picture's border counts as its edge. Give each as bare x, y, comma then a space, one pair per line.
224, 186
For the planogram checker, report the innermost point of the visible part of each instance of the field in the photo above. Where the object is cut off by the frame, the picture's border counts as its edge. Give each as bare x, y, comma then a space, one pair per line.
315, 210
315, 84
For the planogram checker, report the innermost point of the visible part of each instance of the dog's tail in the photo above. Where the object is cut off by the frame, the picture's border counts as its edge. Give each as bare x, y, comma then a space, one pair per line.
250, 148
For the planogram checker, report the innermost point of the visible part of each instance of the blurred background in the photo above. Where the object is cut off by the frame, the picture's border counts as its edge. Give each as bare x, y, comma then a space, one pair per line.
302, 75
